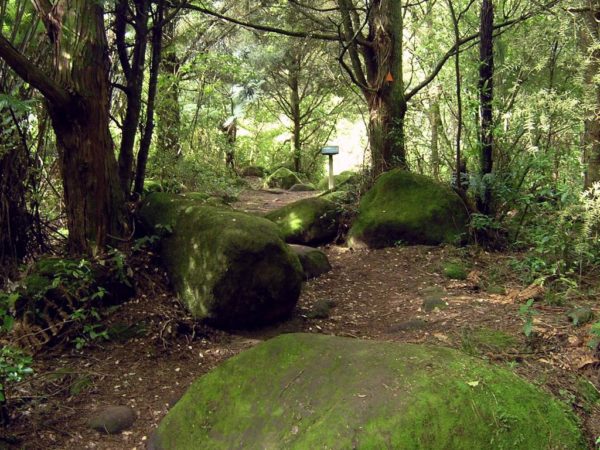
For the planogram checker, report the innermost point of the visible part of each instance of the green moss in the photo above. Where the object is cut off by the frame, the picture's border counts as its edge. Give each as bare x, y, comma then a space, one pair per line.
228, 267
311, 221
484, 340
282, 178
301, 391
411, 208
455, 270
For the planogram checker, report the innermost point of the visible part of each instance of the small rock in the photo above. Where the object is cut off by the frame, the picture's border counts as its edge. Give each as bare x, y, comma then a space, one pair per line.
314, 261
431, 303
321, 309
580, 316
301, 187
112, 419
409, 325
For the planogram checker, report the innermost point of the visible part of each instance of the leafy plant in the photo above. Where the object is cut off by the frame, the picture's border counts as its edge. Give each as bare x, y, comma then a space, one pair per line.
527, 313
14, 366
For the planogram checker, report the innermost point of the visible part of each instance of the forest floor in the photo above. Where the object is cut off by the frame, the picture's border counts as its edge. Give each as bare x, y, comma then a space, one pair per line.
377, 294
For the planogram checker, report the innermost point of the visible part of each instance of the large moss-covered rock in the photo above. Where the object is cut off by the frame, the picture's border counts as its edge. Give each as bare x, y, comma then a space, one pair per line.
282, 178
302, 391
310, 221
409, 208
229, 268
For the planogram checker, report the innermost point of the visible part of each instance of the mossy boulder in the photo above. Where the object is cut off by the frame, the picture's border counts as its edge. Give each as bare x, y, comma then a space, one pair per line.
151, 186
230, 268
304, 391
303, 187
310, 221
314, 262
282, 178
253, 171
404, 207
343, 181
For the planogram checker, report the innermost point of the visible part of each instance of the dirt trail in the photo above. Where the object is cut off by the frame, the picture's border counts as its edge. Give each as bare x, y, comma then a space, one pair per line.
376, 295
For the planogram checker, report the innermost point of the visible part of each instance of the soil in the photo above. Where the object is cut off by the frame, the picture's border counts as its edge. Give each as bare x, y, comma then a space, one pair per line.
378, 294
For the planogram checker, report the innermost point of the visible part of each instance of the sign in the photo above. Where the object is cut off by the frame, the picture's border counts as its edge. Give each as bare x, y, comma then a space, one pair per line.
330, 150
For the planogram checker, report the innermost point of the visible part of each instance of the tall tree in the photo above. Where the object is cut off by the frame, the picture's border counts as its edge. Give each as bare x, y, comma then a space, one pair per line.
77, 95
590, 43
486, 98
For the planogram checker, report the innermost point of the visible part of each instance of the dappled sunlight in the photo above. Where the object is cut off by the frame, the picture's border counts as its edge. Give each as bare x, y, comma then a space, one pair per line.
294, 222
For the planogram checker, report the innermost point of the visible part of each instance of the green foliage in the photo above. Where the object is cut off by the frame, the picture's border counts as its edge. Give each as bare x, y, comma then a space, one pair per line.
527, 313
14, 366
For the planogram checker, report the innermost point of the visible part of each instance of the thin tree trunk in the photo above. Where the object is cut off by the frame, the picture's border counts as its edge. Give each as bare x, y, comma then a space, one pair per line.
167, 108
459, 114
435, 123
293, 84
146, 140
134, 74
486, 96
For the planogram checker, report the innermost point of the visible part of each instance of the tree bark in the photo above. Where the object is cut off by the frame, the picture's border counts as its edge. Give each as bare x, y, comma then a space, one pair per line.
486, 97
385, 87
78, 104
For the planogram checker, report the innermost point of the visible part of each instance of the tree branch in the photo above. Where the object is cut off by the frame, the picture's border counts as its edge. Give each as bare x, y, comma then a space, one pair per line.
31, 74
254, 26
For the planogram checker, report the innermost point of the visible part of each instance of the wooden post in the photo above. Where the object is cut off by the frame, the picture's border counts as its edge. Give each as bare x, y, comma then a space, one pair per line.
331, 179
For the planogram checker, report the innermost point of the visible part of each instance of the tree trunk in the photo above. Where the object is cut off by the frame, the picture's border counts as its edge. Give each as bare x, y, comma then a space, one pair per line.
142, 159
385, 95
590, 39
134, 74
435, 123
93, 197
486, 97
386, 133
169, 115
293, 83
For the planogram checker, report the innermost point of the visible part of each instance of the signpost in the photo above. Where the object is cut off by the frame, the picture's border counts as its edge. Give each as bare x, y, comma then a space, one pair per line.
330, 151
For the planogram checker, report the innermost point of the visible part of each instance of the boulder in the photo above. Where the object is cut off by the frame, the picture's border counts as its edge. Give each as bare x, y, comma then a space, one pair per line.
253, 171
314, 261
282, 178
230, 268
303, 391
303, 187
310, 221
404, 207
112, 419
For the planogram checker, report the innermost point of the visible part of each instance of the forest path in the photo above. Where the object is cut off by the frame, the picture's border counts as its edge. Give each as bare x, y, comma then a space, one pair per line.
372, 294
259, 200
